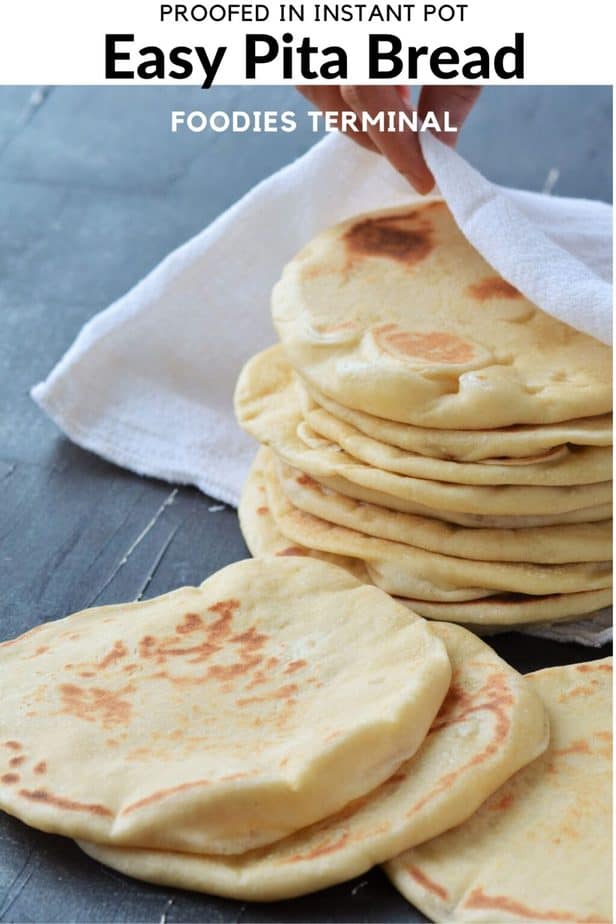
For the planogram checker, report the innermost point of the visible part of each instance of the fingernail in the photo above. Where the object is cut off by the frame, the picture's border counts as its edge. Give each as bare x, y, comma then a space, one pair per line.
423, 184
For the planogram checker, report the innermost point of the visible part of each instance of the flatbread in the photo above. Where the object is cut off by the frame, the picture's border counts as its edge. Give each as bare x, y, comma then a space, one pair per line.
261, 534
396, 314
496, 612
399, 568
215, 718
490, 724
540, 848
517, 442
513, 611
267, 406
564, 466
548, 544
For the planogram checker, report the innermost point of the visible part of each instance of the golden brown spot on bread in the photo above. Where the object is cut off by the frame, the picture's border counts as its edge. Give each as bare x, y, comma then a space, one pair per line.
42, 795
285, 692
293, 550
41, 767
263, 510
501, 804
9, 778
479, 899
293, 666
580, 746
190, 623
305, 480
493, 697
329, 846
163, 794
427, 883
591, 666
118, 651
13, 745
493, 287
406, 238
95, 704
39, 651
17, 761
433, 346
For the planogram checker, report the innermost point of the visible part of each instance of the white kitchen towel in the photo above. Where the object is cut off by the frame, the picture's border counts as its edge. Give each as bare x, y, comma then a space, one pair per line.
148, 383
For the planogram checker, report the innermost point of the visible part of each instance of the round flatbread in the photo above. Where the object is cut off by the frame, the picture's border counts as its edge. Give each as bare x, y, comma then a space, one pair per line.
489, 725
548, 544
497, 612
267, 406
539, 849
513, 443
216, 718
563, 466
401, 569
513, 611
261, 534
396, 314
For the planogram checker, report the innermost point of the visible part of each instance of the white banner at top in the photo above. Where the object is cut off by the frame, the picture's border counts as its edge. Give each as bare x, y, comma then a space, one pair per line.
315, 41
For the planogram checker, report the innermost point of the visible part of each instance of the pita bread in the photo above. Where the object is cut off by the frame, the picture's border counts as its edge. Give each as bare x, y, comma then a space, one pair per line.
540, 848
511, 611
215, 718
548, 544
267, 406
261, 534
489, 725
496, 612
401, 569
564, 466
396, 314
514, 443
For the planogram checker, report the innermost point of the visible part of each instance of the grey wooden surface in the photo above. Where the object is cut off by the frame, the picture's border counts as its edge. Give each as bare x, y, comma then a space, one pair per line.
94, 190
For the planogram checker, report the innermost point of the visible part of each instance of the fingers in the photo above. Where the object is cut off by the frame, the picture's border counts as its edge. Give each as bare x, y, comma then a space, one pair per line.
400, 148
457, 101
329, 99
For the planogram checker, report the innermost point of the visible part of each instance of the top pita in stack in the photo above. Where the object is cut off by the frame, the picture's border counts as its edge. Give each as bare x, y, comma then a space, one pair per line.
429, 421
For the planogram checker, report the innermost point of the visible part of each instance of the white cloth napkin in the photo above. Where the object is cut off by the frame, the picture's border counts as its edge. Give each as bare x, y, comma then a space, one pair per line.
148, 383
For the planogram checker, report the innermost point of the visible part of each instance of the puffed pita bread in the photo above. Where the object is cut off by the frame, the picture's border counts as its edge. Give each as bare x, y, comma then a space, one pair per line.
399, 568
564, 466
489, 725
215, 718
267, 406
509, 444
395, 313
540, 848
549, 544
496, 612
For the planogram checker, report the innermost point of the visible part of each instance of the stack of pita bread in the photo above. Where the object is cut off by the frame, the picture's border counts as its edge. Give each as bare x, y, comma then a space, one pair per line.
285, 726
429, 428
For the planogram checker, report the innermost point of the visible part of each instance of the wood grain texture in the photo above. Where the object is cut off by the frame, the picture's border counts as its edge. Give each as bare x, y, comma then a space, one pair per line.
94, 190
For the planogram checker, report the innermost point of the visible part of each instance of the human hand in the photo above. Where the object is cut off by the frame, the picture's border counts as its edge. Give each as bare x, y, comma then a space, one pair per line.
401, 149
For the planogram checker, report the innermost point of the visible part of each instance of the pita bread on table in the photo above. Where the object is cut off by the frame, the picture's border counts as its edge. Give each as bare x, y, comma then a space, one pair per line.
399, 568
564, 466
497, 612
395, 313
490, 724
549, 544
513, 611
215, 718
539, 849
261, 534
521, 444
584, 515
267, 406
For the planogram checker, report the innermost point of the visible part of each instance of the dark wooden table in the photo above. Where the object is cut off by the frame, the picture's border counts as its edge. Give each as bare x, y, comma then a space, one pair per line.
94, 190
